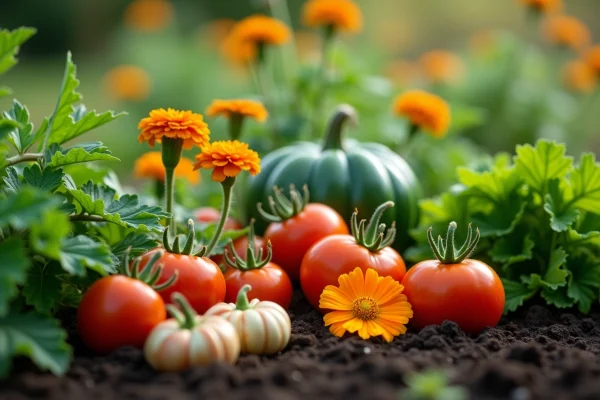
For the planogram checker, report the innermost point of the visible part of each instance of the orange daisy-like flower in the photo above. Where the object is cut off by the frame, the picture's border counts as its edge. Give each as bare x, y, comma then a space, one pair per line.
174, 124
150, 165
228, 158
579, 76
592, 58
567, 31
441, 66
368, 304
148, 15
545, 6
342, 15
242, 108
128, 82
424, 110
260, 29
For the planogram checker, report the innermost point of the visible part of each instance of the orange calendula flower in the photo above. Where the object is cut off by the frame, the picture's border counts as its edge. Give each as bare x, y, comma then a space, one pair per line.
341, 15
579, 76
228, 158
174, 124
260, 29
441, 66
243, 108
128, 82
592, 58
544, 6
366, 303
150, 165
566, 31
148, 15
424, 110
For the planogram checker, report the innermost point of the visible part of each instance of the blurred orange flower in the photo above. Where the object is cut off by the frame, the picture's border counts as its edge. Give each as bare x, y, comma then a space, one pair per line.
128, 82
579, 76
215, 32
174, 124
307, 44
341, 15
150, 165
545, 6
148, 15
592, 57
424, 110
441, 66
241, 107
564, 30
227, 159
402, 72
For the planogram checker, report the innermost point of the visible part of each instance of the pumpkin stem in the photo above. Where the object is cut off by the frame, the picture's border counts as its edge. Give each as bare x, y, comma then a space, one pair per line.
372, 235
254, 256
446, 252
185, 315
283, 208
242, 302
343, 113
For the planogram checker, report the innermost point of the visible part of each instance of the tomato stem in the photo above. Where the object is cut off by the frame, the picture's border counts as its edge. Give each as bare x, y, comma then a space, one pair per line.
283, 209
446, 252
227, 185
372, 234
186, 316
242, 302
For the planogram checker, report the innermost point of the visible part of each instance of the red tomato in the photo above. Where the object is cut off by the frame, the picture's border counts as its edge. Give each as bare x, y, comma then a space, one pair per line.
207, 215
469, 293
200, 279
118, 311
269, 283
340, 254
292, 238
241, 245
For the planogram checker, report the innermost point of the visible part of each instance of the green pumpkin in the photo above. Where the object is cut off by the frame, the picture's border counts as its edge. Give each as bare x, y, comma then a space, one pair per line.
346, 175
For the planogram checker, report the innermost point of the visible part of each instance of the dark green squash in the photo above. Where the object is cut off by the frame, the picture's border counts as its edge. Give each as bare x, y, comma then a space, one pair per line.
345, 175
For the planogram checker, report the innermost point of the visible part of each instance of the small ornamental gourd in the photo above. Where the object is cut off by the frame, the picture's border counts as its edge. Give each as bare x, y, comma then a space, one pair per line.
188, 340
343, 174
264, 327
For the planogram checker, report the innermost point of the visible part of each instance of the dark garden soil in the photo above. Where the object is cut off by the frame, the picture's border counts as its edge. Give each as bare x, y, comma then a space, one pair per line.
534, 354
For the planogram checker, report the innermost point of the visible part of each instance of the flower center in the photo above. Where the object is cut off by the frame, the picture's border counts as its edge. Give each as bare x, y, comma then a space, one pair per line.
365, 308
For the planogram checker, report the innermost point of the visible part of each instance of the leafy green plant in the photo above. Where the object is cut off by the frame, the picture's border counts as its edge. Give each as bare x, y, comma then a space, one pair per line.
539, 217
432, 385
57, 236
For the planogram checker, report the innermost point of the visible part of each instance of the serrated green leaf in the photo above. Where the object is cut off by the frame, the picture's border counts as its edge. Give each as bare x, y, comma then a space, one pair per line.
515, 294
512, 249
555, 275
43, 288
47, 236
12, 182
47, 180
34, 336
21, 137
585, 181
495, 186
7, 126
25, 207
82, 153
81, 252
13, 271
562, 215
576, 239
502, 218
10, 41
584, 279
542, 163
557, 297
139, 243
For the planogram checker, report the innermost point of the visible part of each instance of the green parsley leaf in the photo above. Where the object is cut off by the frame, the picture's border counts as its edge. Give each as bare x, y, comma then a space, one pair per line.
87, 152
47, 180
47, 236
585, 180
512, 249
584, 280
21, 137
25, 208
81, 252
562, 214
542, 163
43, 288
10, 41
516, 293
12, 273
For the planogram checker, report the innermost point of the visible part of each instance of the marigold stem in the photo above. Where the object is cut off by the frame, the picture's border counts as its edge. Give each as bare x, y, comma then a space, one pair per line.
227, 189
170, 195
322, 81
236, 121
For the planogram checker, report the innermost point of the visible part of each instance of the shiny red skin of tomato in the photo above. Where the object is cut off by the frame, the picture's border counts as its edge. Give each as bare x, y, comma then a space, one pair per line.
292, 238
340, 254
208, 215
269, 283
469, 293
118, 311
200, 280
241, 246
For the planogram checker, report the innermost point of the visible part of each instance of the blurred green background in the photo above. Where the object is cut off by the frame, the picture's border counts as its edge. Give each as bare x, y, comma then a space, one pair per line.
187, 71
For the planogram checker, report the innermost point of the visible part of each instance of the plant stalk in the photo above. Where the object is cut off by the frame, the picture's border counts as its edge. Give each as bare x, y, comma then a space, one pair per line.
23, 158
227, 189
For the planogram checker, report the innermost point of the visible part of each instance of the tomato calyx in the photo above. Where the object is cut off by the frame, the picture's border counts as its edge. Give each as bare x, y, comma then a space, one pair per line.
146, 275
185, 314
254, 256
283, 208
241, 302
372, 235
445, 250
188, 247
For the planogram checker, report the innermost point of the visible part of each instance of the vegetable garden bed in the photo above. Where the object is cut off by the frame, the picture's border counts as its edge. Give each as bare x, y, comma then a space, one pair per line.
535, 353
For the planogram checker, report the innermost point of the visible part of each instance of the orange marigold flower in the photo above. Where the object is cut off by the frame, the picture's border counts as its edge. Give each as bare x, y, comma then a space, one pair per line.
228, 158
150, 165
424, 110
579, 76
148, 15
174, 124
215, 32
441, 66
260, 29
128, 82
368, 304
342, 15
567, 31
592, 57
243, 108
237, 51
545, 6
